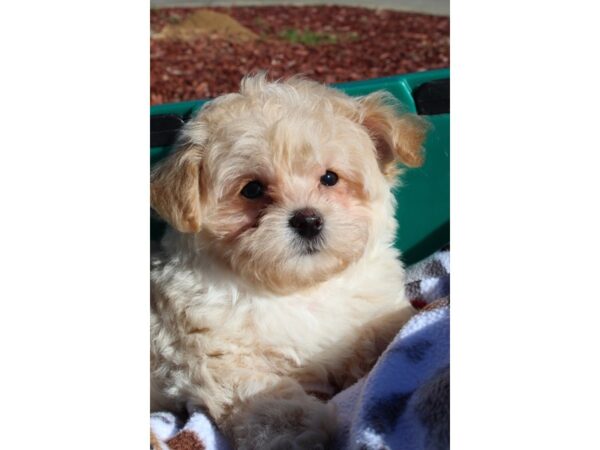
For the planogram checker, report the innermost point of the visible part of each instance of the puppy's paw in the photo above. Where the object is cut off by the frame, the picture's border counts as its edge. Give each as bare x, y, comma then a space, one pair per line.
299, 423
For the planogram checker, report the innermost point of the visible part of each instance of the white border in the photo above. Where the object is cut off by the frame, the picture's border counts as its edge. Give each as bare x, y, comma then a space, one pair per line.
525, 225
74, 199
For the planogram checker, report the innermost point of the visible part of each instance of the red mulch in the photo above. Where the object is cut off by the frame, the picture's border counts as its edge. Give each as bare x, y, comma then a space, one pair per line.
382, 43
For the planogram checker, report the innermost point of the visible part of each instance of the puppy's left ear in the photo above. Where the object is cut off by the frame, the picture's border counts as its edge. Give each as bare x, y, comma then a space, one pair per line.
175, 189
398, 136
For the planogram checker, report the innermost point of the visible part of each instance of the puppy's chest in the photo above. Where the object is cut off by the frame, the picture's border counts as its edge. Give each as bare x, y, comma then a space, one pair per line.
293, 328
219, 319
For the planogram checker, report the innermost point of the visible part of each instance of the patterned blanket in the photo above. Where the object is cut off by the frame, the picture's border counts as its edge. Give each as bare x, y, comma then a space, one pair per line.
402, 404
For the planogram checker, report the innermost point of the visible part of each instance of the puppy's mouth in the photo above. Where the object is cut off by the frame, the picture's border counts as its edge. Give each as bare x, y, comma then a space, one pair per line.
310, 250
309, 247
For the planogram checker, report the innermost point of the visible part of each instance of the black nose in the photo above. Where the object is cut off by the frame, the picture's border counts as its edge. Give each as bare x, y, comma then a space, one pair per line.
307, 223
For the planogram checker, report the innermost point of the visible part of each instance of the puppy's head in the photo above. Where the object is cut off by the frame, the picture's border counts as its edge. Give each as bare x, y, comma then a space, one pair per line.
287, 183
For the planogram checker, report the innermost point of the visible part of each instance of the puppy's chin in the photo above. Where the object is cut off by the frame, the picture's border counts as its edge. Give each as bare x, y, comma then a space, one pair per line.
302, 267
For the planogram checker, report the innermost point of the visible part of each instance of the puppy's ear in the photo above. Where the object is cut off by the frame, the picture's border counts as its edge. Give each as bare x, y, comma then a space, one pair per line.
398, 137
175, 189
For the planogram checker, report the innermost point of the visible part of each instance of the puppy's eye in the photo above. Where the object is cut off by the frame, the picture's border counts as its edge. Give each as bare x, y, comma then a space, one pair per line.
329, 179
253, 190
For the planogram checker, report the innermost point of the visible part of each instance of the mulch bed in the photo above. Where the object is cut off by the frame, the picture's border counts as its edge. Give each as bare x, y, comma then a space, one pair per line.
326, 43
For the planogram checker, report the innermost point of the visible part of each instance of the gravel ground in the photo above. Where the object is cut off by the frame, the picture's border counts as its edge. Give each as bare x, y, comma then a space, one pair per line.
326, 43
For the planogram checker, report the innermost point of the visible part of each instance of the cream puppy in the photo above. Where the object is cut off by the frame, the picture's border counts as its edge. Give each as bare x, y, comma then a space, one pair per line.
278, 283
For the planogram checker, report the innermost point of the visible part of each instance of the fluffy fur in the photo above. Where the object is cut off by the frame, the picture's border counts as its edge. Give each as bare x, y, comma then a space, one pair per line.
249, 321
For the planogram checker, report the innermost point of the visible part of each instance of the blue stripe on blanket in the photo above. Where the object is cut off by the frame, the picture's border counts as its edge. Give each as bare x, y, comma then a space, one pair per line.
403, 404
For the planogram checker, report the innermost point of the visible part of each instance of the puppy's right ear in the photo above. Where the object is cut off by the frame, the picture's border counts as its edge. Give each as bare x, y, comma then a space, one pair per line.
175, 189
398, 136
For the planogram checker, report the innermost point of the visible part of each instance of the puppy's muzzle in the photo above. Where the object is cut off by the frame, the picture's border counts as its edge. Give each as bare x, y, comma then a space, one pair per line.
307, 223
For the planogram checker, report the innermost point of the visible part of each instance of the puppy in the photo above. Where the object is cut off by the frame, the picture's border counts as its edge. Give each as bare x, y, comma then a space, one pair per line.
278, 284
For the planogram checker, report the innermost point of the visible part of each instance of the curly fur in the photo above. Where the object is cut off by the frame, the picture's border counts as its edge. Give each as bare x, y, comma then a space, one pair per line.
245, 322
